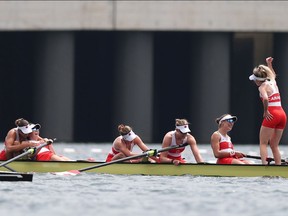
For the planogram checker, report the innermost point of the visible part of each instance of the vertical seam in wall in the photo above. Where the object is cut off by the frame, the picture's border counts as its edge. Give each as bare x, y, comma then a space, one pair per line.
114, 14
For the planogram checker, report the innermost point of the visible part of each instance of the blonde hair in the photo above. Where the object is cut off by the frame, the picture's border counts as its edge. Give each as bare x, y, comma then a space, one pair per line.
124, 129
21, 122
180, 122
263, 71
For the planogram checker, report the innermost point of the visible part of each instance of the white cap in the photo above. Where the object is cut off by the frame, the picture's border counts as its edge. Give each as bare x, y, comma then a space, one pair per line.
228, 117
35, 126
183, 128
130, 136
25, 129
253, 77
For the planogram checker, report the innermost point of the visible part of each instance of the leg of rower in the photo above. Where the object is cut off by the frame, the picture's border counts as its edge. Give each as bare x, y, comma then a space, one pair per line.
236, 161
264, 137
274, 144
57, 158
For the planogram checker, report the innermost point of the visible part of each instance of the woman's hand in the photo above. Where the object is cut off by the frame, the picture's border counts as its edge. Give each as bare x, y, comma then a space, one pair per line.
176, 162
239, 154
269, 60
267, 115
49, 141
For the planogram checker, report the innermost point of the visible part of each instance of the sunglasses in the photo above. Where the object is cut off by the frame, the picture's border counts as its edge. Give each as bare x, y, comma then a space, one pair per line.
230, 120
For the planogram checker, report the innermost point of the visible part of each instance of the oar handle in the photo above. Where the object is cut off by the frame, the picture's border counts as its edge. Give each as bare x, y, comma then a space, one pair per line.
149, 153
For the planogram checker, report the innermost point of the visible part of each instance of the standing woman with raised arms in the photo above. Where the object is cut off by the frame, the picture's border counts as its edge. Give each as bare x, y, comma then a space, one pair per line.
274, 117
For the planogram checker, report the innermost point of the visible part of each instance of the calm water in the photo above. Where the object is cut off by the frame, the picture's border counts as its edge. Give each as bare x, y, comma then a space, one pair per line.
98, 194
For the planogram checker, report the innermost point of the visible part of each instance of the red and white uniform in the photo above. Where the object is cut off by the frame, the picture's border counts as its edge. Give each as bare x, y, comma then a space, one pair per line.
44, 154
225, 145
3, 155
176, 153
114, 151
274, 107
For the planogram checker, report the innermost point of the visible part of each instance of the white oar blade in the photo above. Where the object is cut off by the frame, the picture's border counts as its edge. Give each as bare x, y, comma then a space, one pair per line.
67, 173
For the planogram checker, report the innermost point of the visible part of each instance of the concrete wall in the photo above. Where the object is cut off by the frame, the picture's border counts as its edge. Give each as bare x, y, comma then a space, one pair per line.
145, 15
88, 66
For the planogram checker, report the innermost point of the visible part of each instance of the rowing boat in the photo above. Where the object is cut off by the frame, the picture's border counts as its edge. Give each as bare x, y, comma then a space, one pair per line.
205, 169
15, 176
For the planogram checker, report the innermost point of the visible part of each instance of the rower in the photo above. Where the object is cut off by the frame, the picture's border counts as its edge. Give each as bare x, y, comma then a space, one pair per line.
17, 140
221, 144
123, 145
180, 135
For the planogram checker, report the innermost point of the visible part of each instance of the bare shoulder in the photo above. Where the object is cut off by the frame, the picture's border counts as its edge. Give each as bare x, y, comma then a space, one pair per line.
191, 138
167, 139
215, 133
273, 81
11, 132
117, 142
263, 85
168, 135
10, 137
215, 136
138, 140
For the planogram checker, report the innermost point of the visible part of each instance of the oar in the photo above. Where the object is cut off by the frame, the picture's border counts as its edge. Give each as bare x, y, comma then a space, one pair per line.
268, 159
9, 168
29, 151
148, 153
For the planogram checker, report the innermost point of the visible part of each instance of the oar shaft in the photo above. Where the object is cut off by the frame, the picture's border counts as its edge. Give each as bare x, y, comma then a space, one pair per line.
253, 157
172, 147
9, 168
17, 157
114, 161
267, 159
145, 154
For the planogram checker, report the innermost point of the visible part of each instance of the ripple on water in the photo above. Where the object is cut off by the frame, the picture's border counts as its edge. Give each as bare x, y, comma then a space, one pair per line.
100, 194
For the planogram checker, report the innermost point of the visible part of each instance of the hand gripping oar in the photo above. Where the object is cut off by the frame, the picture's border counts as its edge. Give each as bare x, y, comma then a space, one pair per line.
29, 151
149, 153
268, 159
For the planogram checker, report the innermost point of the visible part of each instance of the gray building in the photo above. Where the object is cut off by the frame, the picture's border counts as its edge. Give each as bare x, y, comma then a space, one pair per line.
80, 68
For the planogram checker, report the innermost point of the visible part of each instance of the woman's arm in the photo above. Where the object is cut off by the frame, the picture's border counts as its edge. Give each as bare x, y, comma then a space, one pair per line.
272, 73
138, 141
166, 143
215, 140
15, 146
264, 95
194, 148
121, 147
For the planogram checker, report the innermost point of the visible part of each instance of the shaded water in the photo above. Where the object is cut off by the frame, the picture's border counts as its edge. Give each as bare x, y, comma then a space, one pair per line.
100, 194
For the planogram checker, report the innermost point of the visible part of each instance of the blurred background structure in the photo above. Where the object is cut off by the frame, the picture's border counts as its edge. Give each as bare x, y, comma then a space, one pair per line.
80, 68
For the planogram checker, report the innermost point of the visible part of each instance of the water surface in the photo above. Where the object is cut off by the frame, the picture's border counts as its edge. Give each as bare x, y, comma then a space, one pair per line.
102, 194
